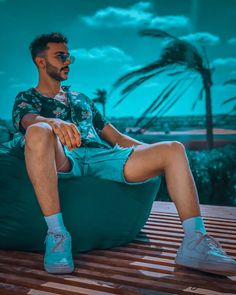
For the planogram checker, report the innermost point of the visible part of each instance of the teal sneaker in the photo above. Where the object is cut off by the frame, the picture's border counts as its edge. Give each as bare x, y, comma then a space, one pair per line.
58, 258
204, 253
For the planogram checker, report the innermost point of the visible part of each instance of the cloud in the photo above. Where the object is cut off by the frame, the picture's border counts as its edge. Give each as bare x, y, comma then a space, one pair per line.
136, 16
224, 62
170, 22
142, 6
107, 54
202, 38
231, 41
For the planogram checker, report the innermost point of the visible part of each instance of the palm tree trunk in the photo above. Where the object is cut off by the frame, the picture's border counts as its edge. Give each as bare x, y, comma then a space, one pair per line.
209, 124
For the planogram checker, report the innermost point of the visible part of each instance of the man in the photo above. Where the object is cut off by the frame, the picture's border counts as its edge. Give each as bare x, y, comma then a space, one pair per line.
62, 130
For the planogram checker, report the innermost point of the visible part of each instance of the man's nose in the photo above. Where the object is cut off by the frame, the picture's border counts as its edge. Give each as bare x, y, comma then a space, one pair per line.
67, 62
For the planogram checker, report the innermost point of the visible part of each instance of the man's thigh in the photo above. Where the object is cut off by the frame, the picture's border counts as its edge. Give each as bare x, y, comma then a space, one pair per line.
146, 161
62, 161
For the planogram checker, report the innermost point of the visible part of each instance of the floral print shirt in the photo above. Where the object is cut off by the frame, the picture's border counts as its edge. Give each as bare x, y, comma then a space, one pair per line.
80, 110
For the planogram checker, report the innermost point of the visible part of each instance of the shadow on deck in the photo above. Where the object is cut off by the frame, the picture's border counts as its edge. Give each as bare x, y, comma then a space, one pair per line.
145, 266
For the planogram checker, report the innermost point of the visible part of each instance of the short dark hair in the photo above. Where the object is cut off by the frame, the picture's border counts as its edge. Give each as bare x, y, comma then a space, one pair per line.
39, 44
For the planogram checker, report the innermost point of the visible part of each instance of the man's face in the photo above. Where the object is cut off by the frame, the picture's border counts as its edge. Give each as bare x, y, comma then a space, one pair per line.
55, 66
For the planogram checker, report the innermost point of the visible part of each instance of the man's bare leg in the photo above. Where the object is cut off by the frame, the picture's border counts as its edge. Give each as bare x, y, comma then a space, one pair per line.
44, 155
168, 158
197, 250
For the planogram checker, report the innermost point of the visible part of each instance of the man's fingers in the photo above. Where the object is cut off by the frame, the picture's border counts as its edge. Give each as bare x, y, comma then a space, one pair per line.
62, 130
71, 136
59, 133
77, 135
68, 133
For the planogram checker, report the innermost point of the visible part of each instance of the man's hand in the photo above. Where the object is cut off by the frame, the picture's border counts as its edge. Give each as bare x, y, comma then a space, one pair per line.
67, 132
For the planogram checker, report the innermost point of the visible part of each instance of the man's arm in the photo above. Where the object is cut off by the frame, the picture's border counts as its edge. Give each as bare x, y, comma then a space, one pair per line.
113, 136
67, 132
30, 119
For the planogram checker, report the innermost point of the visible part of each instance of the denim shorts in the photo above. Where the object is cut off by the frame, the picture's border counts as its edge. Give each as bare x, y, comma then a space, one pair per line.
99, 162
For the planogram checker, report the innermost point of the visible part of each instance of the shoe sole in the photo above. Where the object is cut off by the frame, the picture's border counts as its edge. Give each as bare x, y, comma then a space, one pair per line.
59, 270
207, 270
225, 274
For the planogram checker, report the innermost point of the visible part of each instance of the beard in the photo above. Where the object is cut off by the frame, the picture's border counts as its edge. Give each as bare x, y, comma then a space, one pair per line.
54, 72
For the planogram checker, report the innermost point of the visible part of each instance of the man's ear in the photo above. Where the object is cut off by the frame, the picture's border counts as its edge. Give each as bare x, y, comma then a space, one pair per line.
40, 62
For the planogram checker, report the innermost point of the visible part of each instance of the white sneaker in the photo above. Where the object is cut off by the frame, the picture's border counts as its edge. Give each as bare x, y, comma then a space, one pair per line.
204, 253
58, 257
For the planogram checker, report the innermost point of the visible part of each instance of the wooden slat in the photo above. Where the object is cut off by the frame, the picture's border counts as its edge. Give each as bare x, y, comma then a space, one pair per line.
144, 266
206, 210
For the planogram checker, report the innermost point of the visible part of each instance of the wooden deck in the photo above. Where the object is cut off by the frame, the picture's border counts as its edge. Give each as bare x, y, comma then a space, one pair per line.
145, 266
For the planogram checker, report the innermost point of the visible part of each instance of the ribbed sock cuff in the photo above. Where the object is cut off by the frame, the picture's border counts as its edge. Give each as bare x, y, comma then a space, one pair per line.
55, 222
192, 225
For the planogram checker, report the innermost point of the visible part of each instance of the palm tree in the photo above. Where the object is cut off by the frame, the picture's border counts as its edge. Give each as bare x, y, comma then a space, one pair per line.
101, 97
178, 58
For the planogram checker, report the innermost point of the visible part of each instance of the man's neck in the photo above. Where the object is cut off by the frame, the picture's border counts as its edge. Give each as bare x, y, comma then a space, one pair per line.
49, 88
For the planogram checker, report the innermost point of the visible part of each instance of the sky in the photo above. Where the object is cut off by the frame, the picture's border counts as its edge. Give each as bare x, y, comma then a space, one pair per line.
103, 36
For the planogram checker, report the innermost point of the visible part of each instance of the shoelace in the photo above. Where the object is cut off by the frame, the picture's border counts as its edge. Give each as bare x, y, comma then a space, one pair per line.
212, 243
61, 237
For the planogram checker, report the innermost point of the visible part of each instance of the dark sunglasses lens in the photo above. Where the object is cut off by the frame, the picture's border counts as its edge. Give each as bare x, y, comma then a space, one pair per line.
63, 57
72, 59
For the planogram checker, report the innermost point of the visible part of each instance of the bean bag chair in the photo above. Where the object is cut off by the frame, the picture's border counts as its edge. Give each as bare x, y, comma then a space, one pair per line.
99, 214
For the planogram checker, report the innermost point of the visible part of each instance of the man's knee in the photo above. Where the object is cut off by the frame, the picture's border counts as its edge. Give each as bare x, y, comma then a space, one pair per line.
169, 151
38, 134
177, 147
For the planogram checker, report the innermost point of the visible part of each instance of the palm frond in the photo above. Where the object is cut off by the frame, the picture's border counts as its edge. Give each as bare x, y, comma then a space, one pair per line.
126, 91
153, 104
165, 108
180, 50
155, 33
184, 53
230, 112
142, 71
120, 100
176, 73
172, 101
137, 83
161, 98
96, 100
231, 81
228, 100
199, 97
167, 94
206, 57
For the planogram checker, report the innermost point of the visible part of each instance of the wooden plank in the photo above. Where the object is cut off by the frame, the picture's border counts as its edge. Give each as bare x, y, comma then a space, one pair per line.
144, 266
206, 210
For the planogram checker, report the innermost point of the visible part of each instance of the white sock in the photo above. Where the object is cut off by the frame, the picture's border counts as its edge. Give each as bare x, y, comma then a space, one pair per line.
55, 222
193, 225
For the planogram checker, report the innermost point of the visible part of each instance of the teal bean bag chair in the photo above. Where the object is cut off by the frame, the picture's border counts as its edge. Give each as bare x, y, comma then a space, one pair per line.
98, 213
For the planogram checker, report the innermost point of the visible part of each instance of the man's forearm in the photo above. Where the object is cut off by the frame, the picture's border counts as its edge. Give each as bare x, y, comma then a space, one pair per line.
126, 141
30, 119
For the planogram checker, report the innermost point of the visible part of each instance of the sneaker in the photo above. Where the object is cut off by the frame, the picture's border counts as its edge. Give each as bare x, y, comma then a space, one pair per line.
58, 258
204, 253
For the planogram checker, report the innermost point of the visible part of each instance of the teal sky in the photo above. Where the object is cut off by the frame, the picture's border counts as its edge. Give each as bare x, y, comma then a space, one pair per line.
103, 35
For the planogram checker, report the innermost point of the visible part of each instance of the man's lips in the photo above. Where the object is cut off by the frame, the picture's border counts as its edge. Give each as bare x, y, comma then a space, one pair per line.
65, 70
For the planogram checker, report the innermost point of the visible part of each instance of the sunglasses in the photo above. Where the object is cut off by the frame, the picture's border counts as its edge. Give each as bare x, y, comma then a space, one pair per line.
63, 57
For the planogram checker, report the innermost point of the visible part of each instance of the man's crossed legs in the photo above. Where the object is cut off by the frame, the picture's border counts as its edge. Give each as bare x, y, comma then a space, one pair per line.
44, 151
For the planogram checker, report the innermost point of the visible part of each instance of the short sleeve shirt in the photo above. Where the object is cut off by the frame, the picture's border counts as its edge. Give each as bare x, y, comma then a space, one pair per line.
79, 110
